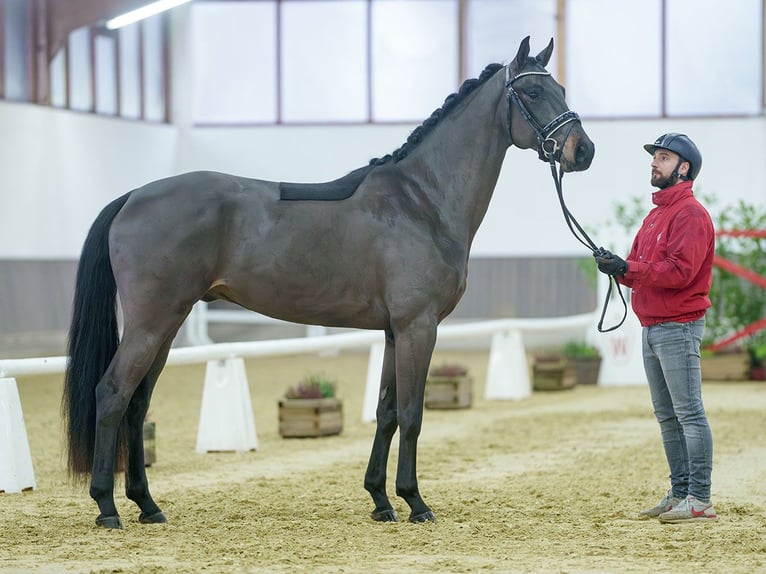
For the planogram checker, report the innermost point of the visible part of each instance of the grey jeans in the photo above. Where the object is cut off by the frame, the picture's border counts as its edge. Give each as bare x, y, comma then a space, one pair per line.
671, 354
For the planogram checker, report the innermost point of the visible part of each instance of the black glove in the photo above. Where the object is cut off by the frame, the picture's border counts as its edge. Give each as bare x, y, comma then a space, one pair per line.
609, 263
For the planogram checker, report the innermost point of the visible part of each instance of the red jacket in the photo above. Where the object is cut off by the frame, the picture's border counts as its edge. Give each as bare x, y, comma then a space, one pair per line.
671, 261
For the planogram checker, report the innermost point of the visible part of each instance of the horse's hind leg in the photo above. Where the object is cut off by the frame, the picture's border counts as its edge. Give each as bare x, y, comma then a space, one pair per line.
135, 356
136, 482
375, 477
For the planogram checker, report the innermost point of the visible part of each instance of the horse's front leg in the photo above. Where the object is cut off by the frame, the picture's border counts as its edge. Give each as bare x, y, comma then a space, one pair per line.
414, 347
375, 477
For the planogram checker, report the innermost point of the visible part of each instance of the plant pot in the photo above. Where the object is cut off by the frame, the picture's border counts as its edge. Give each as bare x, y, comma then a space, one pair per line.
583, 370
757, 373
300, 418
150, 452
449, 392
724, 367
550, 376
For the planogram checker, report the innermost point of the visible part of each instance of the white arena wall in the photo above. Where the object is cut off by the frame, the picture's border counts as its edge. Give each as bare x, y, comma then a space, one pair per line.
60, 167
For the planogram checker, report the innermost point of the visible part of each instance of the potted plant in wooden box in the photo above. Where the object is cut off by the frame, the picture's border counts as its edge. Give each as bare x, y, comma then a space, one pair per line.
449, 386
548, 370
583, 362
310, 409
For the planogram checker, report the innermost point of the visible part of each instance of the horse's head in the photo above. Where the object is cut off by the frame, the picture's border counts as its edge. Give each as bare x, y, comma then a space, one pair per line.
538, 113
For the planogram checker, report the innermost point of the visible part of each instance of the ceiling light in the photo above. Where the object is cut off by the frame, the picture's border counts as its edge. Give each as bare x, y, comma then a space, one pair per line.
144, 12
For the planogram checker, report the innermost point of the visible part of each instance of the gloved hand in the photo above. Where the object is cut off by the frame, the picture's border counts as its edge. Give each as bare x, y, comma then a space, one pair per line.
609, 263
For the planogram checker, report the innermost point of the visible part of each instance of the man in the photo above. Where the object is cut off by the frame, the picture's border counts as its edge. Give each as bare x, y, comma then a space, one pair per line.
669, 269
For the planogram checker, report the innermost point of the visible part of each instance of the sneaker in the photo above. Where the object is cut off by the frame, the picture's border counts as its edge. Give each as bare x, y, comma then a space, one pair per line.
689, 510
667, 502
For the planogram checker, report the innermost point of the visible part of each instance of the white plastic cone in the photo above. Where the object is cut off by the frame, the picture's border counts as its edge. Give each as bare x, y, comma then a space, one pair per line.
226, 417
508, 372
372, 388
16, 472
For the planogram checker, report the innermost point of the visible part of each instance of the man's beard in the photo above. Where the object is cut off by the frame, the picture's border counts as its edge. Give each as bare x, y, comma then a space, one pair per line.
664, 182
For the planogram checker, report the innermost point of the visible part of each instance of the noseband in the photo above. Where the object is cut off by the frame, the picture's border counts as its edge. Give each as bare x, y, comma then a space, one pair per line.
545, 132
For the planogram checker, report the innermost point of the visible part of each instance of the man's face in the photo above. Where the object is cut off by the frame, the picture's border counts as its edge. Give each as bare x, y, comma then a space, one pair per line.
663, 164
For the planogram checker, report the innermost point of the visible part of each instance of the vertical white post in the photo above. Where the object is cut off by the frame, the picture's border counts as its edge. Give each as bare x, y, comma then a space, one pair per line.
16, 472
226, 420
372, 387
508, 372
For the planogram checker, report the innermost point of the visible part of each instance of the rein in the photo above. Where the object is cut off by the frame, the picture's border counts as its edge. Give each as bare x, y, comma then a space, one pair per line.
544, 134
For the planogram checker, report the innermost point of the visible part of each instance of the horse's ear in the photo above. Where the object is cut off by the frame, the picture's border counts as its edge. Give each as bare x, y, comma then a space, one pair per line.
521, 57
544, 56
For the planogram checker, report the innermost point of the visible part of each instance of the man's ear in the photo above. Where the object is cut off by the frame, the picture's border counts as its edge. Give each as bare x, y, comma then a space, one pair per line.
683, 169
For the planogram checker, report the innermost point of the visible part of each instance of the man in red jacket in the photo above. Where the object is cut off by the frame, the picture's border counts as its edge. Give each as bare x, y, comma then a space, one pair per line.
669, 269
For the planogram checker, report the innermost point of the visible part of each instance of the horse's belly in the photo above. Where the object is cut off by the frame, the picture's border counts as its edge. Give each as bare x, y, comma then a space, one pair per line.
304, 302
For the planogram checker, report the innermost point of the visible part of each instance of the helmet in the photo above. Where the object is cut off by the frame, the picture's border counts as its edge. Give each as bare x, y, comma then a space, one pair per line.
683, 146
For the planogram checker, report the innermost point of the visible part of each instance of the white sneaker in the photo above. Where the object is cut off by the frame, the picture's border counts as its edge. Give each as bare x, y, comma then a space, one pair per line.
667, 502
690, 510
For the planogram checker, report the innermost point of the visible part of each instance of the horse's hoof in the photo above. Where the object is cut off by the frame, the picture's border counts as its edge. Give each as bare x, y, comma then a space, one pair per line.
388, 515
156, 518
427, 516
109, 521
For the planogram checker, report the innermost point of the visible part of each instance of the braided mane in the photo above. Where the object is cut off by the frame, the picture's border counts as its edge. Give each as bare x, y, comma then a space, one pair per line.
427, 126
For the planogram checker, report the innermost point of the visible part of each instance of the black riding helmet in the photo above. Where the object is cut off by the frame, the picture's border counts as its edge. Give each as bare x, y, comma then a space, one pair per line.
683, 146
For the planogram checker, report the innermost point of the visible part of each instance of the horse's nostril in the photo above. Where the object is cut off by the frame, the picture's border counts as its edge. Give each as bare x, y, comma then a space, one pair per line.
582, 153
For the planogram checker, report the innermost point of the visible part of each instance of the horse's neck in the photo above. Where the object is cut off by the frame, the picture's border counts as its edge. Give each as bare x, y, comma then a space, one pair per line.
459, 162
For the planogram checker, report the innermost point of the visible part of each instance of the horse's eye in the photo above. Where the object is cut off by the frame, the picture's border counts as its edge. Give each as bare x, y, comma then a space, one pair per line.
533, 94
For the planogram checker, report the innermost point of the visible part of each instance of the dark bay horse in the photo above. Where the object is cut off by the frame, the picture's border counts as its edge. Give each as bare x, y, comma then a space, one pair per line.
392, 256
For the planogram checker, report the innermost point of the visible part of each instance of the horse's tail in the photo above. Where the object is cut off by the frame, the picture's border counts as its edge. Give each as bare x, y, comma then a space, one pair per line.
93, 340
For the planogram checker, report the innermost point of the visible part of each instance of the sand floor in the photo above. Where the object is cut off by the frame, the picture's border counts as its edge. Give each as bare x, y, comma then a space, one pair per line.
551, 483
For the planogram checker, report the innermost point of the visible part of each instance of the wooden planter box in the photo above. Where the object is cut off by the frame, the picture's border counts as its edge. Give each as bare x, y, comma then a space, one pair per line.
449, 392
310, 417
550, 376
725, 367
150, 451
583, 371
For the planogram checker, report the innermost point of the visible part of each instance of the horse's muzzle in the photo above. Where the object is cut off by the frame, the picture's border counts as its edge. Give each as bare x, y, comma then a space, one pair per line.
578, 151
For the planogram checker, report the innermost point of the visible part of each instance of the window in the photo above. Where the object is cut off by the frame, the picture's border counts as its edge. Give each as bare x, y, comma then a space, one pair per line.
234, 62
714, 59
414, 57
324, 68
15, 16
615, 70
358, 61
495, 29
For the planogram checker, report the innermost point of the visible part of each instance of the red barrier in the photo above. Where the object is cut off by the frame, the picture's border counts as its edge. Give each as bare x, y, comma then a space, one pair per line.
746, 274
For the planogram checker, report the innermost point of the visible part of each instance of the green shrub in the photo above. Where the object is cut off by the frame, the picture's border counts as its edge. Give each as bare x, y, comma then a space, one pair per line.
313, 386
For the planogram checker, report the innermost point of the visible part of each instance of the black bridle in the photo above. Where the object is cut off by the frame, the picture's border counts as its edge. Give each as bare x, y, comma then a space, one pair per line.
551, 154
545, 132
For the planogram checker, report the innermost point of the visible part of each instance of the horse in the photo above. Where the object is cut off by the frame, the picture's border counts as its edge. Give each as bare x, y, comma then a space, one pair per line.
384, 248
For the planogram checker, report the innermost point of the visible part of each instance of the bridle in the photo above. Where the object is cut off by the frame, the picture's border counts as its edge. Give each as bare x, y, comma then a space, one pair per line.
545, 132
551, 154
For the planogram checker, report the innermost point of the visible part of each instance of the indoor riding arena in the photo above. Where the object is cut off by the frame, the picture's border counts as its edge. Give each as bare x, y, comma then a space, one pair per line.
308, 286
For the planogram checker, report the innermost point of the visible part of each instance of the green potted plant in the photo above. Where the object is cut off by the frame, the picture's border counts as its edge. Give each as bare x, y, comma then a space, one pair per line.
583, 362
449, 386
310, 408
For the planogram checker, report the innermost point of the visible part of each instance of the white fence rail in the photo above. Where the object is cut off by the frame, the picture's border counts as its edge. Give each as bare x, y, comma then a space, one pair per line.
575, 326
